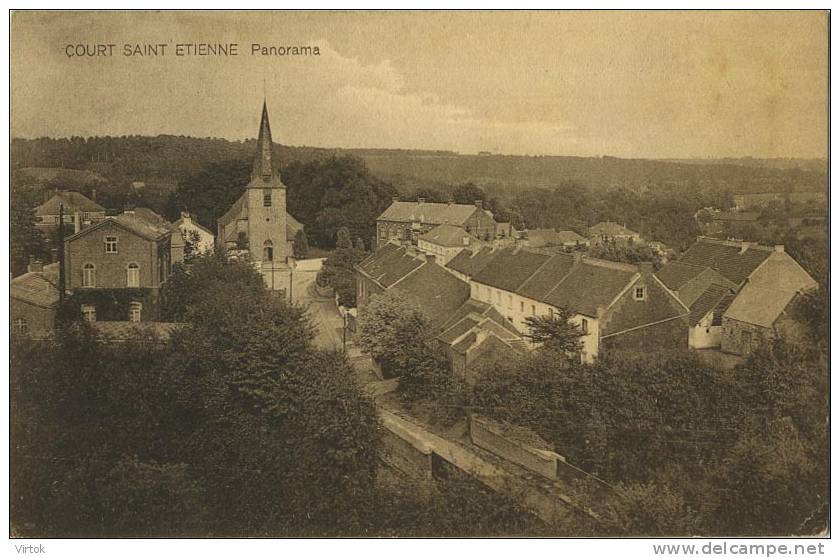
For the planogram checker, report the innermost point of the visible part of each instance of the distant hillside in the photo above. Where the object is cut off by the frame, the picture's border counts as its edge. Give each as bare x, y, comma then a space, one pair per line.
122, 160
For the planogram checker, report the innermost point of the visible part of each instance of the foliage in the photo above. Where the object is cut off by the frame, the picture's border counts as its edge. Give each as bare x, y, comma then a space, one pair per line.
556, 333
632, 253
388, 325
25, 240
301, 245
338, 270
208, 193
192, 241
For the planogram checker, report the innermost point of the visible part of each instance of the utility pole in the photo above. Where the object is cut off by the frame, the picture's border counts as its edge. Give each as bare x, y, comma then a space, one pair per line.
290, 285
60, 247
344, 335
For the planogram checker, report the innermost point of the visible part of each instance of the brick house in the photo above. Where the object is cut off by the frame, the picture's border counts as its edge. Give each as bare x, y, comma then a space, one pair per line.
115, 268
33, 301
407, 221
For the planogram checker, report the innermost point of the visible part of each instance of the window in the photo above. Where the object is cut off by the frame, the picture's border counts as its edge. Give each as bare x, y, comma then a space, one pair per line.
522, 306
89, 275
551, 313
268, 251
266, 198
133, 275
20, 326
639, 293
89, 312
110, 244
584, 326
533, 310
135, 309
510, 301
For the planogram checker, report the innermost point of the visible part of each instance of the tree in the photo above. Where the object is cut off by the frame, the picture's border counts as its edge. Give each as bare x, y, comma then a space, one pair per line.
556, 333
301, 245
209, 193
25, 240
388, 324
192, 241
468, 193
338, 270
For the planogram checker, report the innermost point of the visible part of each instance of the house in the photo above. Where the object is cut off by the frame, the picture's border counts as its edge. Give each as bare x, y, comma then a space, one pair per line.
477, 337
257, 224
445, 242
607, 231
79, 210
616, 305
177, 243
33, 301
739, 293
407, 221
417, 277
202, 239
116, 267
540, 238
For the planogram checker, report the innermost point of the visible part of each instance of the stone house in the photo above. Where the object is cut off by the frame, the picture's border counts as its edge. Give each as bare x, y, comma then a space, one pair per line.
116, 267
739, 293
33, 301
407, 221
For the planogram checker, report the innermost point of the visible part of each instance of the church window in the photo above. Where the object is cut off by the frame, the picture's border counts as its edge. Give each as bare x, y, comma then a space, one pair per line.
266, 198
268, 251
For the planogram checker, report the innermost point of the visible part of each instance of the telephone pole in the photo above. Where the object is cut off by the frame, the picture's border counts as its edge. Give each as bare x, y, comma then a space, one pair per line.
60, 248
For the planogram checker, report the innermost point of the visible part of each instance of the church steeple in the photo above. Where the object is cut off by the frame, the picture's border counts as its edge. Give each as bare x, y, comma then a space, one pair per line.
263, 168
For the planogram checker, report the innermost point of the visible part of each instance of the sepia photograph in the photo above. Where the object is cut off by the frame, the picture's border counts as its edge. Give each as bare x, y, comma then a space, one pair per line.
420, 274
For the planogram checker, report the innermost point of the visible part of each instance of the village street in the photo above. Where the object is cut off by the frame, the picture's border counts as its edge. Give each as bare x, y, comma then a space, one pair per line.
322, 310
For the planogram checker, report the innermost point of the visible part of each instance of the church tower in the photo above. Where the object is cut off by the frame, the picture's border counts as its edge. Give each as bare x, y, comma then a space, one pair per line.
266, 208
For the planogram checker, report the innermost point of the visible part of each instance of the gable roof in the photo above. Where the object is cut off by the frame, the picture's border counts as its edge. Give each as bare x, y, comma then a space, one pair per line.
426, 212
538, 285
469, 262
590, 285
73, 202
35, 288
389, 264
675, 274
610, 228
715, 297
759, 305
510, 267
131, 223
450, 236
734, 260
180, 223
436, 291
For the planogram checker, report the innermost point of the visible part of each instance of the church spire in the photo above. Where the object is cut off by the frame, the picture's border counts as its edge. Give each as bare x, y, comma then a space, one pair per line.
263, 165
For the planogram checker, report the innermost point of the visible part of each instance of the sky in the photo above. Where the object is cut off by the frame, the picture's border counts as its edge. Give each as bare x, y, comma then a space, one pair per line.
624, 84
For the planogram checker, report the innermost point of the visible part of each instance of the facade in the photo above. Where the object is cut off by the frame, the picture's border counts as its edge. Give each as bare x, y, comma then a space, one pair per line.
257, 224
445, 242
607, 231
192, 231
116, 267
33, 302
79, 210
407, 221
608, 300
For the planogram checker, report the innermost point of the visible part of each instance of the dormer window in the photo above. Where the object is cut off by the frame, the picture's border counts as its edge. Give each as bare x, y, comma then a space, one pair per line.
266, 198
639, 293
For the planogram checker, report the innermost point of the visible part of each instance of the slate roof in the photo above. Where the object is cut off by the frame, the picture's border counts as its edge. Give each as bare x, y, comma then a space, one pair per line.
715, 297
589, 286
35, 288
482, 309
610, 228
148, 215
470, 262
509, 268
389, 264
628, 313
436, 291
426, 212
141, 226
73, 201
729, 258
447, 235
677, 273
546, 277
732, 217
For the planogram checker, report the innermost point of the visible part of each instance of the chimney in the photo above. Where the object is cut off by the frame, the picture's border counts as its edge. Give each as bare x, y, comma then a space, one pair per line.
780, 248
479, 204
421, 200
93, 194
185, 217
430, 258
646, 267
77, 222
34, 265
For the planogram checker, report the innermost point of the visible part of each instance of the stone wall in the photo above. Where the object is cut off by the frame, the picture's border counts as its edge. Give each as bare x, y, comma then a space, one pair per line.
741, 338
487, 434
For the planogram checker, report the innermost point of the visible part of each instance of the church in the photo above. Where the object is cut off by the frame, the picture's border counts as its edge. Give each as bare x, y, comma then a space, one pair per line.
257, 224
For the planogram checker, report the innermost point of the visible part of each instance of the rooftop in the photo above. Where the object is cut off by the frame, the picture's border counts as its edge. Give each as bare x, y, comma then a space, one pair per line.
610, 228
72, 201
35, 288
734, 260
427, 212
450, 236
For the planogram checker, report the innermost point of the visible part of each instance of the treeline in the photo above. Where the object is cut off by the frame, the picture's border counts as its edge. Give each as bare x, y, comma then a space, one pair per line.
237, 426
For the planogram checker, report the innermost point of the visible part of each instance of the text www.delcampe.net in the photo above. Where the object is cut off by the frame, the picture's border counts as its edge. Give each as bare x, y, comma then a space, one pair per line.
742, 549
